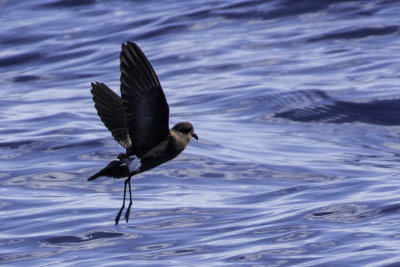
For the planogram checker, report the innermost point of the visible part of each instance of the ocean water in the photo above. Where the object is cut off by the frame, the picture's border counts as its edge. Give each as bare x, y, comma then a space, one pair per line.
297, 109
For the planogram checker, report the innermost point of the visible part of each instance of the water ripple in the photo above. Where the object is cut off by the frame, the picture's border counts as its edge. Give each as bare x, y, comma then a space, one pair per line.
296, 105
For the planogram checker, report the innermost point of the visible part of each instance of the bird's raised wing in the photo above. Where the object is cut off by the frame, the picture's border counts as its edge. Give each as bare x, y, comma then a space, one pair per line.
109, 108
143, 101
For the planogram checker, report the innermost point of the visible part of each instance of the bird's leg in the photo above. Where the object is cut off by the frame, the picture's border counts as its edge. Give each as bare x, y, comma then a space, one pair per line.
123, 203
130, 202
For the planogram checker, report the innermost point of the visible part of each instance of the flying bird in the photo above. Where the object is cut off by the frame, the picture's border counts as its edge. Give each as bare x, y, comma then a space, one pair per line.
138, 121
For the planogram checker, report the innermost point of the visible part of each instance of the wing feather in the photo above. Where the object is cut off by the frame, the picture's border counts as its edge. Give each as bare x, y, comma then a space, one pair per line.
109, 108
143, 100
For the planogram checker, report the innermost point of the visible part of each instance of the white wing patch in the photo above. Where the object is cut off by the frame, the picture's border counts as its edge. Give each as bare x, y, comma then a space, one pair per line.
133, 163
125, 142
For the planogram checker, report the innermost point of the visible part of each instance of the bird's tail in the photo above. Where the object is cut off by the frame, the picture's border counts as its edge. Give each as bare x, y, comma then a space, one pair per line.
113, 169
95, 176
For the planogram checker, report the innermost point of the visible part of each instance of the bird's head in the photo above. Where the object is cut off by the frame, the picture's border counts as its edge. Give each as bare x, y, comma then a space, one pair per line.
185, 128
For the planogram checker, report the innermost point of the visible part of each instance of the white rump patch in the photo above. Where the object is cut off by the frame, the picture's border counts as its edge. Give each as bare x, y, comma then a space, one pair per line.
133, 163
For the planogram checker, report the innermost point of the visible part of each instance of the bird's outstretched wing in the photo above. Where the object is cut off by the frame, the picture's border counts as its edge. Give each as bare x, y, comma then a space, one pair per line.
143, 101
109, 108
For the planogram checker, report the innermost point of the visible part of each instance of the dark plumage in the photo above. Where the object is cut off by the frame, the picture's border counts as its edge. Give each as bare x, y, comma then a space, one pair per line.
138, 121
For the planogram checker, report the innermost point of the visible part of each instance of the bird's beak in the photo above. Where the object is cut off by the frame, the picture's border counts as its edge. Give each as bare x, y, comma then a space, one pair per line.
195, 136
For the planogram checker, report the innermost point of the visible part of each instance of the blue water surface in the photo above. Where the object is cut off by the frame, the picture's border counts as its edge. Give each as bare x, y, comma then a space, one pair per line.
297, 109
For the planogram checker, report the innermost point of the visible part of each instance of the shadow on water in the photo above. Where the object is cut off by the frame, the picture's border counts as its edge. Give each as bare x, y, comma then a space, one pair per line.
379, 112
357, 33
350, 213
81, 239
344, 213
318, 106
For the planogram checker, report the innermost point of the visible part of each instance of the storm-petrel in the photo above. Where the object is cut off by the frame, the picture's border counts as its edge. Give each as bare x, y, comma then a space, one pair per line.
138, 121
